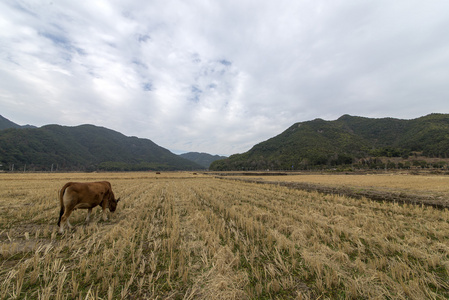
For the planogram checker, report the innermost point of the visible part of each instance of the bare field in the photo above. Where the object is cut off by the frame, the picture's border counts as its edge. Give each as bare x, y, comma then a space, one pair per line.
425, 189
432, 185
186, 236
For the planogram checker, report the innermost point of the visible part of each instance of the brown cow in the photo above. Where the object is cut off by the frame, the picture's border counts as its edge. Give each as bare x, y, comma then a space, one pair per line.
85, 195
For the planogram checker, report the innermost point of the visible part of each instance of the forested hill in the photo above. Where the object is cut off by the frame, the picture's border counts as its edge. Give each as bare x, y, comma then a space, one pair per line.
347, 140
203, 159
5, 124
83, 148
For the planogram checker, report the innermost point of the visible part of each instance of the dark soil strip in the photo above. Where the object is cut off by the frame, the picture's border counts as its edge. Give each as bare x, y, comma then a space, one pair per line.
351, 192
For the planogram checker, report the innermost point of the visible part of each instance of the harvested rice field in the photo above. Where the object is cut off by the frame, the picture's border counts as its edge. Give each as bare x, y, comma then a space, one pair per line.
432, 185
195, 236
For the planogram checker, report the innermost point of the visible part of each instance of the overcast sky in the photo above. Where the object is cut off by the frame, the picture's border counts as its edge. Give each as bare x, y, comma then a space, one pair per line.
220, 76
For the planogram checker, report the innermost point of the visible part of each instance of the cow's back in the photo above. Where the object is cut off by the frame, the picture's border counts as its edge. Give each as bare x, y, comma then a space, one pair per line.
85, 194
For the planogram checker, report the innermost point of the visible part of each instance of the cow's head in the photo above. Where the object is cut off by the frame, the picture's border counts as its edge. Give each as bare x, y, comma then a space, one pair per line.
113, 204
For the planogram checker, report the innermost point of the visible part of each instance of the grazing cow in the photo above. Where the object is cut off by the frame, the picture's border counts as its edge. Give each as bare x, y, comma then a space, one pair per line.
85, 195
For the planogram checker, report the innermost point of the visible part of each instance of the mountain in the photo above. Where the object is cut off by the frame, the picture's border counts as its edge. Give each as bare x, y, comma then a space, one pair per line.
84, 148
5, 124
347, 140
203, 159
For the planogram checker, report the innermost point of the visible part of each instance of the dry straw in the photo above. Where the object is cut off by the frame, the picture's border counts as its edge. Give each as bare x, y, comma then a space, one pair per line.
196, 237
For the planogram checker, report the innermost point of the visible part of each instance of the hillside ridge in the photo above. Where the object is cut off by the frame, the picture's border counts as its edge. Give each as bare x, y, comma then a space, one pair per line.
83, 148
349, 140
5, 124
201, 158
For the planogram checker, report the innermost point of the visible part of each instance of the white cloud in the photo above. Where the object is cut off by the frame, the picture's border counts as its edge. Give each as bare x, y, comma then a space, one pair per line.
220, 76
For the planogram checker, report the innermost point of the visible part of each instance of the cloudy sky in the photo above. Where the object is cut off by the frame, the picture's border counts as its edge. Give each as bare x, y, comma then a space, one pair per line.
220, 76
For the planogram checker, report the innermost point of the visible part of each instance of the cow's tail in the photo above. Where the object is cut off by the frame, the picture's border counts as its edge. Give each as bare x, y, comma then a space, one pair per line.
61, 201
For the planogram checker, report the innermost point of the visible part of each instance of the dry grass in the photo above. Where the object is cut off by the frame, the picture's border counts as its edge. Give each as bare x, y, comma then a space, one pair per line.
185, 236
427, 185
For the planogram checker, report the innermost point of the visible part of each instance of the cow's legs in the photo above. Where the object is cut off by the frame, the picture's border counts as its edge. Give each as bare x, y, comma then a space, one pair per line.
105, 214
89, 212
65, 219
61, 227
